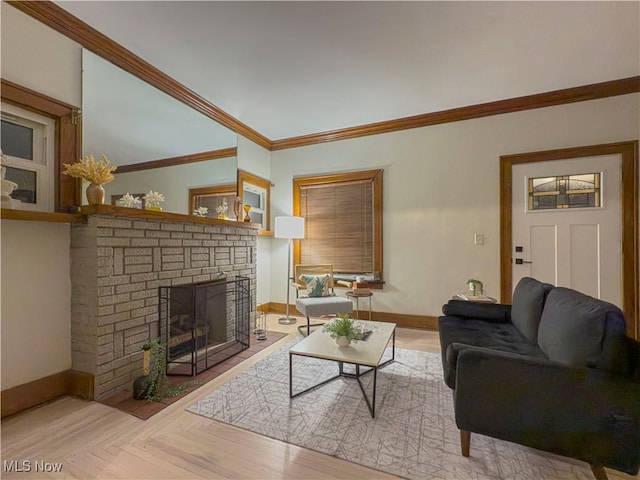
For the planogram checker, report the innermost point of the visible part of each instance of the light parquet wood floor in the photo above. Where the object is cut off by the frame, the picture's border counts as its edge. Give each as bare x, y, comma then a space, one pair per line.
91, 440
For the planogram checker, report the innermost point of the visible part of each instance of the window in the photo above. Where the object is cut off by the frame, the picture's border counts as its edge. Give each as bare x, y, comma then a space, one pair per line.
343, 222
256, 197
566, 191
212, 198
255, 192
66, 137
28, 147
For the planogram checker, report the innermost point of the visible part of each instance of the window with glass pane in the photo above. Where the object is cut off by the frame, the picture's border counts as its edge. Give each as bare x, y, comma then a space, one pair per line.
342, 222
255, 197
565, 191
28, 151
212, 198
17, 140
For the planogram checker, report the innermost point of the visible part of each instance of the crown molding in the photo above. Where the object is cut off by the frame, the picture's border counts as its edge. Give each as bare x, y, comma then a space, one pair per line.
540, 100
181, 160
63, 22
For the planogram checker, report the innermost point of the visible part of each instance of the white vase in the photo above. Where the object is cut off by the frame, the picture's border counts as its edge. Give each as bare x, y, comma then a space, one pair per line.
343, 341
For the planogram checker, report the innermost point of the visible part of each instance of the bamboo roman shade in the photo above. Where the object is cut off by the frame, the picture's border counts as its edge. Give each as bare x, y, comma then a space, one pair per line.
339, 226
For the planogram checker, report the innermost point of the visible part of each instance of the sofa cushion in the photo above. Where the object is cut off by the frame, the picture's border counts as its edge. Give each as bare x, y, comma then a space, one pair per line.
528, 300
457, 333
581, 331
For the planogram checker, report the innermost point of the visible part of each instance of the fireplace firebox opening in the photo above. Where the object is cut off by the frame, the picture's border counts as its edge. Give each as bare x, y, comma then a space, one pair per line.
203, 324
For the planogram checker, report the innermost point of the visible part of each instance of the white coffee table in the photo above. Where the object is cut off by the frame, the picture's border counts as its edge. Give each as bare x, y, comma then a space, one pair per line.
366, 353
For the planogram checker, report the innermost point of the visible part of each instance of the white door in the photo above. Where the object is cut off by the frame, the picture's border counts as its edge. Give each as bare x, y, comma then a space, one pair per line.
575, 247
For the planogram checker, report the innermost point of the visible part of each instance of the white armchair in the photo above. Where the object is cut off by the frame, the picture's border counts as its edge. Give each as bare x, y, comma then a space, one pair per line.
315, 295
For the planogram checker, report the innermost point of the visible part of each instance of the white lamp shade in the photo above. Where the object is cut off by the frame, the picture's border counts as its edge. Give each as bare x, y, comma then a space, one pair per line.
289, 227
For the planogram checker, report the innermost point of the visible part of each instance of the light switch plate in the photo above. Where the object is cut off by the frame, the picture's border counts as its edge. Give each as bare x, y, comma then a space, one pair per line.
478, 238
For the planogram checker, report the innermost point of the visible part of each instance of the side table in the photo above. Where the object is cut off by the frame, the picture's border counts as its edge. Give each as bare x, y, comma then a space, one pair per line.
358, 296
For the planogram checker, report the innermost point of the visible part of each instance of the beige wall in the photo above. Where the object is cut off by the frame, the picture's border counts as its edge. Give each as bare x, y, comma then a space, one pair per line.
36, 287
36, 307
440, 187
39, 58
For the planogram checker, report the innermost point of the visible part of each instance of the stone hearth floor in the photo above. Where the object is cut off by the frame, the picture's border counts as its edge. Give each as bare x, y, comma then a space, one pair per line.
144, 409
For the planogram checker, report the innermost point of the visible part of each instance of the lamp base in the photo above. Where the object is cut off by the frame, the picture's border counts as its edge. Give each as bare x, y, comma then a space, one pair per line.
287, 320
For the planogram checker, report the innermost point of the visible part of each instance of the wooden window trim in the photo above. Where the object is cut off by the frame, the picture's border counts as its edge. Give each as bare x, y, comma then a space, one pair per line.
68, 138
376, 177
251, 179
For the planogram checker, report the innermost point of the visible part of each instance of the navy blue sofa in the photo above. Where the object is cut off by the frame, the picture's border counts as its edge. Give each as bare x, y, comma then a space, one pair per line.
554, 371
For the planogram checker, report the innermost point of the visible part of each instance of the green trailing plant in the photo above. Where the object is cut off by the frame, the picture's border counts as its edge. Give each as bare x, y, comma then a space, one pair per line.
155, 385
343, 326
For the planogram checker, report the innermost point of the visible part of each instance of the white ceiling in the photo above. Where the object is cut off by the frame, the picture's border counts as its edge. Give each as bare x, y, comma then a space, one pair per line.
294, 68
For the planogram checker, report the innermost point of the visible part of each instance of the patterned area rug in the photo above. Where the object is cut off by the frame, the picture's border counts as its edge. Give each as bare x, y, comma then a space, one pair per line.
413, 435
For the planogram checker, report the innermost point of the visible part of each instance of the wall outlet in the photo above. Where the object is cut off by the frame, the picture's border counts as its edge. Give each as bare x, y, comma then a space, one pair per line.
478, 238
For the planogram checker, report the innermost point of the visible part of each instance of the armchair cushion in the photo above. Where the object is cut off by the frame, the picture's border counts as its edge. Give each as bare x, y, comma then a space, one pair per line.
319, 306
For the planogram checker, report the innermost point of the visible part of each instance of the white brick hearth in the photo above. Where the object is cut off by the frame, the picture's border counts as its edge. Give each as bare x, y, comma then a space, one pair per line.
117, 265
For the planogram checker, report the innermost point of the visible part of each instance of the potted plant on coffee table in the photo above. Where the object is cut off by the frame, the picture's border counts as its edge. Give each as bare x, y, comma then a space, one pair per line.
344, 330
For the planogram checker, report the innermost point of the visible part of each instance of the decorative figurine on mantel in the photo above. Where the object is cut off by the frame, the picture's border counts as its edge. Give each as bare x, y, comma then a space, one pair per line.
152, 201
247, 217
201, 212
222, 210
129, 201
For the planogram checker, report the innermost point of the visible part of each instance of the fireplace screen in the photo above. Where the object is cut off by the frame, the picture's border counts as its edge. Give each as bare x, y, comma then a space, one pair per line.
204, 324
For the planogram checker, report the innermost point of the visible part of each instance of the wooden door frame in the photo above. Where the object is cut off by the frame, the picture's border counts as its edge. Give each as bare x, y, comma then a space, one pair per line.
629, 210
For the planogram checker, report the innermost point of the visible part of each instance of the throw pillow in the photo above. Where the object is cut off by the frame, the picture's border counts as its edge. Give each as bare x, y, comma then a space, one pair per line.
317, 285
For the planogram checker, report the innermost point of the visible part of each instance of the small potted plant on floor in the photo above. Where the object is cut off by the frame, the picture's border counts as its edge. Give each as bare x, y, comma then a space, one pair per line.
154, 384
344, 330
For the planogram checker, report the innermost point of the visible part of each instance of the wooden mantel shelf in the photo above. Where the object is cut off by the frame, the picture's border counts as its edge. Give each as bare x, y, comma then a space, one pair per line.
153, 215
87, 210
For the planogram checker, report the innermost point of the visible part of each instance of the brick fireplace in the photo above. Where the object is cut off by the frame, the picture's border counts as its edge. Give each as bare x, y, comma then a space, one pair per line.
119, 258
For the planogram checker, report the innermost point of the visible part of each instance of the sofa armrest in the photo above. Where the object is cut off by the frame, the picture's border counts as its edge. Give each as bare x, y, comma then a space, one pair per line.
584, 414
490, 312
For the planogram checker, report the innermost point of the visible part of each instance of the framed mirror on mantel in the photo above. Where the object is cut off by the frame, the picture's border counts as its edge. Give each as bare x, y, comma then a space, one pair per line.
158, 143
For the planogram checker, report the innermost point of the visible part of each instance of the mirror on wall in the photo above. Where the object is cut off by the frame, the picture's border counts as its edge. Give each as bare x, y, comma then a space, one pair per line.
132, 122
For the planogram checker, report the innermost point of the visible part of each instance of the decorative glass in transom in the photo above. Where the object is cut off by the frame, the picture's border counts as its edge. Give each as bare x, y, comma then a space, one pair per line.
565, 191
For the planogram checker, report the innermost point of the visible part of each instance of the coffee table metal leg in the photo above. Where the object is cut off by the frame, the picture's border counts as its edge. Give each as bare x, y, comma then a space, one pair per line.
293, 395
393, 350
290, 375
371, 404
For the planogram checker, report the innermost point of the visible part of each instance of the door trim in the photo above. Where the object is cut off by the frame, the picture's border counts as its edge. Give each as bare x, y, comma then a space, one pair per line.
629, 206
